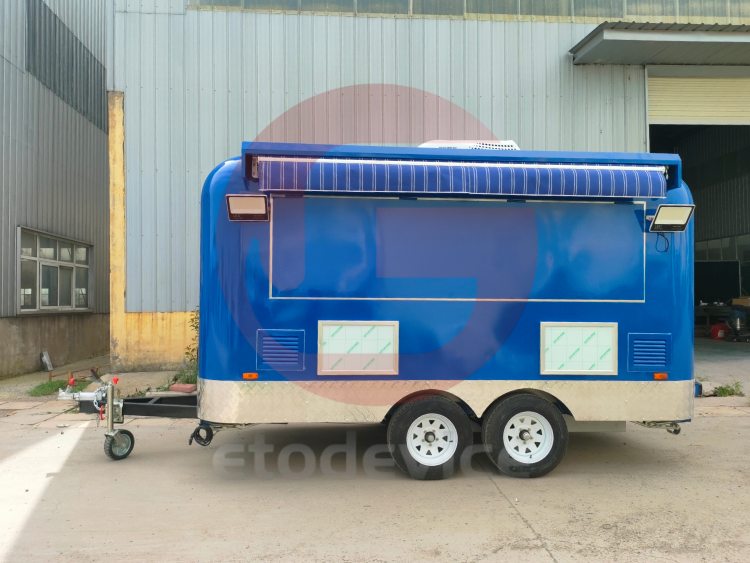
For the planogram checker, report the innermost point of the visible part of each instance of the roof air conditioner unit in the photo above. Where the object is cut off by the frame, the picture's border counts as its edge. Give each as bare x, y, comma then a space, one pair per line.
507, 145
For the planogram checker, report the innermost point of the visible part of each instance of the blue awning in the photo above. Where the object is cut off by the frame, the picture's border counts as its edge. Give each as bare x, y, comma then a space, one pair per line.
367, 176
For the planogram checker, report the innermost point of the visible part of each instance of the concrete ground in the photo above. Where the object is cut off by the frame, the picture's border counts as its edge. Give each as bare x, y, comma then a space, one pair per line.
327, 492
642, 495
723, 362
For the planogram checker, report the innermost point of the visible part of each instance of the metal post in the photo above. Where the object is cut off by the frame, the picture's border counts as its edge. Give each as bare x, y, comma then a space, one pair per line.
110, 407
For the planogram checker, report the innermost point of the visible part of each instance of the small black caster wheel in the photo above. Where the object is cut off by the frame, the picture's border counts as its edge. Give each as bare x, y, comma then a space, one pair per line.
119, 444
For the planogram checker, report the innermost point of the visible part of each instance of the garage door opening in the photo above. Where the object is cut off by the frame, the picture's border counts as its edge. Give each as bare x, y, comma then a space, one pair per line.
716, 166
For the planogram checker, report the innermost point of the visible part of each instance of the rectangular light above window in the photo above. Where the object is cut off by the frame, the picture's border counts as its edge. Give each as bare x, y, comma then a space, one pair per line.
671, 218
247, 207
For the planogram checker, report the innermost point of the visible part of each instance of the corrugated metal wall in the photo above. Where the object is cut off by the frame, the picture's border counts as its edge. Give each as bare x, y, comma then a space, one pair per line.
198, 83
53, 161
717, 168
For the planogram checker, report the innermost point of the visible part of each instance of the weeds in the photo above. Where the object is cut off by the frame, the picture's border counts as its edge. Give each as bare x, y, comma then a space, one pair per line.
53, 386
731, 390
189, 373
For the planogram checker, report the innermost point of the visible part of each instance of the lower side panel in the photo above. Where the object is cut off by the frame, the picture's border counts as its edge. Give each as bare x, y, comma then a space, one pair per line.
252, 402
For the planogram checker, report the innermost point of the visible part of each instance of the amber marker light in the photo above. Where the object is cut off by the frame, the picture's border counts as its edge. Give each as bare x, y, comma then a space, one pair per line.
250, 375
661, 376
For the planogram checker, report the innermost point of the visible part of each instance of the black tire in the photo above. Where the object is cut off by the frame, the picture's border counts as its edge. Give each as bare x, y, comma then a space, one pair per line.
407, 414
493, 429
119, 445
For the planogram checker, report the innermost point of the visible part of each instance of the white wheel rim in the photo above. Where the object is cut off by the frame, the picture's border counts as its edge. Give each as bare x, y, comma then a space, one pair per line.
528, 437
432, 439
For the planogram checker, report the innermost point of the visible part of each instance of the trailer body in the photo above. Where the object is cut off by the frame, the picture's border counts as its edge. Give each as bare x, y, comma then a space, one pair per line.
376, 274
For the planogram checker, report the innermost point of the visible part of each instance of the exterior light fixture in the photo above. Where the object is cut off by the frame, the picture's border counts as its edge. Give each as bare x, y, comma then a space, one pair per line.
671, 218
247, 207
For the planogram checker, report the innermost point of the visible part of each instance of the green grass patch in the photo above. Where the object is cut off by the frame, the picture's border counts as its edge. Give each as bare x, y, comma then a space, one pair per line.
189, 372
52, 387
732, 390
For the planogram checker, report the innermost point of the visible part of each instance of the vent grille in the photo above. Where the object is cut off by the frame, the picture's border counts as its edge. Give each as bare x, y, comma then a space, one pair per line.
281, 350
649, 351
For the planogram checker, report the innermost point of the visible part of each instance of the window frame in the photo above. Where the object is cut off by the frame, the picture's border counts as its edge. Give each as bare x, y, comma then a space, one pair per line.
58, 263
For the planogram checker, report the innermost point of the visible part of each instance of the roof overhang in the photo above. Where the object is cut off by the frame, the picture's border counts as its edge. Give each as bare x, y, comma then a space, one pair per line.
627, 43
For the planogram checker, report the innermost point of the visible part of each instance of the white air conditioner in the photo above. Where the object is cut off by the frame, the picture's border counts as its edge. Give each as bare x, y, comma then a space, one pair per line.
506, 145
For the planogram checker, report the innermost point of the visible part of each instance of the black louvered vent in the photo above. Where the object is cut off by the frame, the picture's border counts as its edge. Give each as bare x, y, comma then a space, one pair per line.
649, 351
281, 350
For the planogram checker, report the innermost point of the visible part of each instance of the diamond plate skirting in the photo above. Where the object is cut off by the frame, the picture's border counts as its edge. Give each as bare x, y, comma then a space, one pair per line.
250, 402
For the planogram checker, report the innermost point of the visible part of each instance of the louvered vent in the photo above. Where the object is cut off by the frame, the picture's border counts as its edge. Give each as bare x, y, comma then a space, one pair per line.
649, 351
281, 350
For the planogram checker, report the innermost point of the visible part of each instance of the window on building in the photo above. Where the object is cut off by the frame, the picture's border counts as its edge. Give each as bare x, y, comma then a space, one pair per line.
657, 11
649, 8
438, 7
728, 248
383, 6
327, 5
53, 273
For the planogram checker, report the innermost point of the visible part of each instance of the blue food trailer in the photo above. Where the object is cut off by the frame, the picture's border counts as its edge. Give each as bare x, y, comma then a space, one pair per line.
440, 290
434, 289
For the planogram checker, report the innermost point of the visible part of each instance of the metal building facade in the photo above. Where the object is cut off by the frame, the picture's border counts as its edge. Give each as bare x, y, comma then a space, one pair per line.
197, 82
53, 159
200, 76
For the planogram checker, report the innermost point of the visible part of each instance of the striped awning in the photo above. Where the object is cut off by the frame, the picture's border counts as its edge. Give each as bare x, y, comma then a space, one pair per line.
367, 176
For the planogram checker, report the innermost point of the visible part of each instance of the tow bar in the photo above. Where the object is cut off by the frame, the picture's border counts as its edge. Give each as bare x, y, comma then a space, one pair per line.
106, 404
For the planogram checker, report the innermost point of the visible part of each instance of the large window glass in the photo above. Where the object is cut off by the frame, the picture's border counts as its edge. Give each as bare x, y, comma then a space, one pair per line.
728, 248
28, 290
66, 251
54, 273
82, 287
651, 8
82, 254
383, 6
47, 248
49, 286
714, 249
327, 5
743, 248
701, 250
438, 7
66, 286
28, 244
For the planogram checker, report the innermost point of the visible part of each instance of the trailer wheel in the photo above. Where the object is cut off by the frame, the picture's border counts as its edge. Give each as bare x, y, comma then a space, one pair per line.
427, 435
525, 436
119, 444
